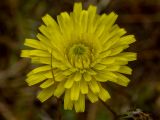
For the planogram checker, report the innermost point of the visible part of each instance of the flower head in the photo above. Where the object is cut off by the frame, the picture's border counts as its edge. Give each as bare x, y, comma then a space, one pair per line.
77, 54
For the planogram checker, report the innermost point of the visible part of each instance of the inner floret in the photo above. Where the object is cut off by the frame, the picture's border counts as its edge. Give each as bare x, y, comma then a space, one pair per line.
79, 55
79, 49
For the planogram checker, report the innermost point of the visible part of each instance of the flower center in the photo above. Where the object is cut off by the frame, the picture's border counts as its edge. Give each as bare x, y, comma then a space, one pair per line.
79, 55
79, 49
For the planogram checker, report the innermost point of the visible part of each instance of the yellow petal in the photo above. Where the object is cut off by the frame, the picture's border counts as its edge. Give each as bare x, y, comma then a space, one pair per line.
47, 60
59, 64
38, 53
116, 29
91, 71
84, 21
44, 40
112, 67
34, 79
100, 25
125, 70
127, 39
92, 97
109, 35
49, 21
129, 56
68, 103
108, 21
43, 29
110, 42
86, 63
94, 86
47, 74
75, 91
68, 72
80, 104
59, 77
111, 19
105, 76
78, 63
57, 55
87, 76
46, 93
121, 32
47, 83
122, 80
52, 34
115, 51
76, 18
109, 74
64, 21
108, 60
84, 87
77, 76
104, 95
99, 66
104, 54
77, 9
34, 44
59, 90
39, 69
99, 30
69, 82
120, 62
25, 53
91, 15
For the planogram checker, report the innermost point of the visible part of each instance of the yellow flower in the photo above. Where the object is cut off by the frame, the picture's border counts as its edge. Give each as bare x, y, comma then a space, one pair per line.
77, 54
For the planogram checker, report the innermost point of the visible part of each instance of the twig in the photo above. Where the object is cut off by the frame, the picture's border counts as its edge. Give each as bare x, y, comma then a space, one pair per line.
52, 68
58, 113
115, 115
14, 70
5, 112
92, 111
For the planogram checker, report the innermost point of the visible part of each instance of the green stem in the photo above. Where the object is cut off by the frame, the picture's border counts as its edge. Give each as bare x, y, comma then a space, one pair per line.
115, 115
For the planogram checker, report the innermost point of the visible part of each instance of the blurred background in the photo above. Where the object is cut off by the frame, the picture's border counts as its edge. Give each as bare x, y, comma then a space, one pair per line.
20, 19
